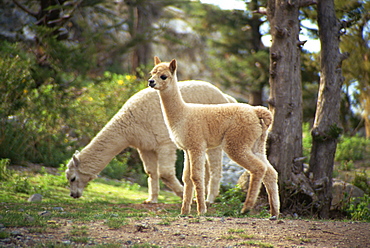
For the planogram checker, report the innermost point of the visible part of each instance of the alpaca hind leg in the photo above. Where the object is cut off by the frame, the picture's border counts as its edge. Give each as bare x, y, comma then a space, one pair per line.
257, 171
149, 159
214, 158
197, 161
271, 183
167, 169
188, 187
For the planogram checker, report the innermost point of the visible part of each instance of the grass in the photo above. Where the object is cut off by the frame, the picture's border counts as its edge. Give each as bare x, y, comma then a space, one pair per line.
108, 203
101, 200
256, 244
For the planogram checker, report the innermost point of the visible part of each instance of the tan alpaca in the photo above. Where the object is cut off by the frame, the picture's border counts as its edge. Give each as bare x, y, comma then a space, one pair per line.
239, 128
140, 124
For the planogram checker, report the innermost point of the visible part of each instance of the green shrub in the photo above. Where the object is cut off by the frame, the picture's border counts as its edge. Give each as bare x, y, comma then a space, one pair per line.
352, 148
359, 208
230, 202
22, 185
361, 181
5, 174
116, 169
348, 148
306, 141
347, 165
43, 117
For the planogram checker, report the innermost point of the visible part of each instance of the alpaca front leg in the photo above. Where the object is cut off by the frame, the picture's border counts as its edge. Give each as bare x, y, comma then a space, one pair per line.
197, 161
214, 158
188, 187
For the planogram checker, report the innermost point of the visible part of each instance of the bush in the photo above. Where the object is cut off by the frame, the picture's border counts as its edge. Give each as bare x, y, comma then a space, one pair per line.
348, 148
359, 208
5, 175
306, 141
44, 116
347, 165
230, 202
352, 148
99, 101
116, 169
361, 181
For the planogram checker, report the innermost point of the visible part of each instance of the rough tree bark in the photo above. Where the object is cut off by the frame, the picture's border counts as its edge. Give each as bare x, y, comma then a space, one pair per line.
285, 138
143, 13
255, 95
326, 129
142, 54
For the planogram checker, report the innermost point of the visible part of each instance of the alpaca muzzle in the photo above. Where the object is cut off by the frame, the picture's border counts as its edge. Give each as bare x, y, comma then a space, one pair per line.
75, 195
152, 83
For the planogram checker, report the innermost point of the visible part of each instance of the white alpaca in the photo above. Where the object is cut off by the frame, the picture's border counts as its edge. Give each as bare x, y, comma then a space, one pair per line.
239, 128
140, 124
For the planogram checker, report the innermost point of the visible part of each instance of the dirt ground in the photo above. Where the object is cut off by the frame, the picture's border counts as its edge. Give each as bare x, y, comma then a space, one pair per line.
195, 231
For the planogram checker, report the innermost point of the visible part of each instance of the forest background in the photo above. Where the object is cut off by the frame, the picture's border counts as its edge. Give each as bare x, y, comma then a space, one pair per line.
66, 67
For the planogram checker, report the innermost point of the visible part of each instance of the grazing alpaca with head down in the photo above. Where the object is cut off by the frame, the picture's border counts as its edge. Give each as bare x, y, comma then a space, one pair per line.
239, 128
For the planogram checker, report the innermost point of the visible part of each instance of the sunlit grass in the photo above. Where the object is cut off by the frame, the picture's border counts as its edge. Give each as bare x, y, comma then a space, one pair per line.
102, 200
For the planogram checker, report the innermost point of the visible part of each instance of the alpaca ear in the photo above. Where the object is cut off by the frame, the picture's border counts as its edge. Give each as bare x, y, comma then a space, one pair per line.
156, 60
173, 65
76, 161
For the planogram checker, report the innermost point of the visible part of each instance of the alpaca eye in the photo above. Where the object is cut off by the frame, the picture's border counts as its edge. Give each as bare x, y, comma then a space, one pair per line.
163, 77
73, 179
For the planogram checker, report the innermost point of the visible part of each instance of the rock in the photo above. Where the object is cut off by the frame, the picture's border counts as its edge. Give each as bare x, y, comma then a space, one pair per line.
243, 181
231, 172
342, 192
58, 209
29, 218
44, 213
16, 233
35, 198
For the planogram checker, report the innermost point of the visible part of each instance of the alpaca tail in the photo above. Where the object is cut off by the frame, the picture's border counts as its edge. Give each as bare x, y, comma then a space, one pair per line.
264, 114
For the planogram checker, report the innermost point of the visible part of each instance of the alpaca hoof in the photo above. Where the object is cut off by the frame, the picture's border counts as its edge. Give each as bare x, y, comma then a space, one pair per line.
245, 211
202, 212
185, 212
149, 201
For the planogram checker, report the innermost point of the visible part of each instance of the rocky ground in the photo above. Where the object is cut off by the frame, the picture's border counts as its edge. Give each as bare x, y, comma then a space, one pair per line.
195, 232
190, 231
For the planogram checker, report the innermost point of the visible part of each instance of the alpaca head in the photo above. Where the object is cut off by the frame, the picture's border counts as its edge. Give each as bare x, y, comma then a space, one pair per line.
77, 180
163, 74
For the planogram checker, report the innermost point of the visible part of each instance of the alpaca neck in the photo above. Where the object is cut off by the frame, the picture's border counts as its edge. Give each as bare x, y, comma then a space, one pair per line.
102, 149
172, 103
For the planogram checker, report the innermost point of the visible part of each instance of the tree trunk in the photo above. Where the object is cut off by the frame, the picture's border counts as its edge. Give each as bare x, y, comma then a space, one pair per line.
142, 15
256, 94
285, 138
143, 53
325, 129
255, 97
